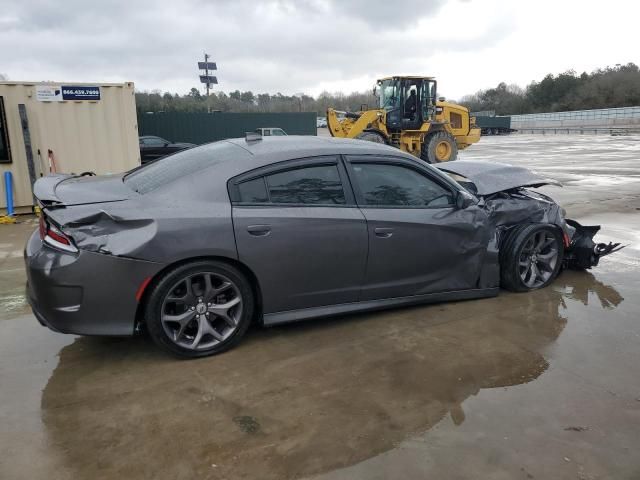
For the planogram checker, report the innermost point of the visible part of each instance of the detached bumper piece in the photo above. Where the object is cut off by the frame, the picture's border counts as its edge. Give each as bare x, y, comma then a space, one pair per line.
583, 253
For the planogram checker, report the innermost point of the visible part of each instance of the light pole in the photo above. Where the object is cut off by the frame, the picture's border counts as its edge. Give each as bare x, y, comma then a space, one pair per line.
207, 79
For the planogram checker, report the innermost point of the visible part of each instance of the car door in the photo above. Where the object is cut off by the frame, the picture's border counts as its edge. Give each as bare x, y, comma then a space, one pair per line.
299, 230
419, 242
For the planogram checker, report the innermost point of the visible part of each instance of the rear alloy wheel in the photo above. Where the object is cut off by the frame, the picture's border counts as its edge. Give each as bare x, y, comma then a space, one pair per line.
531, 257
199, 309
439, 147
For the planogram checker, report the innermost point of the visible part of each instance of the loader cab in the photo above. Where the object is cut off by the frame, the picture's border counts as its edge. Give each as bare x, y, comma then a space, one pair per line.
408, 101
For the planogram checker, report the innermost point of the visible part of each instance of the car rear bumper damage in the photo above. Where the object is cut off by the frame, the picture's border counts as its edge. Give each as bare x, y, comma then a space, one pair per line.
85, 293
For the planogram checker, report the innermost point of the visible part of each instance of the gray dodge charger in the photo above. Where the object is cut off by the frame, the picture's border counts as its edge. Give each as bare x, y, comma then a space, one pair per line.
195, 247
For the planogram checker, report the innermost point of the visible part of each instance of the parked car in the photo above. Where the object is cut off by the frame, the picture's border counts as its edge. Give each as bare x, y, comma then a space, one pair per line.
321, 122
271, 132
153, 148
196, 246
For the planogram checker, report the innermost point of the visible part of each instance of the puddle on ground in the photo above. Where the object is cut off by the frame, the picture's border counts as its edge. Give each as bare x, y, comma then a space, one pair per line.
301, 399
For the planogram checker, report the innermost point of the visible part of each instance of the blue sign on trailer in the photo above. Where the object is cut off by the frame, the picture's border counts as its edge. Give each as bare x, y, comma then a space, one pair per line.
71, 92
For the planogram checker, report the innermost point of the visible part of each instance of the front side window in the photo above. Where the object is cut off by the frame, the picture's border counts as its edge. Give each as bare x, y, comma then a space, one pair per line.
318, 185
5, 153
388, 185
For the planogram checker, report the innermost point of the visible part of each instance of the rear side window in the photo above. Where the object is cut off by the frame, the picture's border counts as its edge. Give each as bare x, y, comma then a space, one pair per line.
253, 191
397, 186
169, 169
319, 185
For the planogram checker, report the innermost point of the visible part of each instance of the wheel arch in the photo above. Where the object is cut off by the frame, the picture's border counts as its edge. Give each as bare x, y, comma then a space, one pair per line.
234, 262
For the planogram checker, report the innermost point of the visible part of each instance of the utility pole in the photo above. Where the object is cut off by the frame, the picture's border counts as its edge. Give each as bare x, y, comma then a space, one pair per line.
206, 71
207, 79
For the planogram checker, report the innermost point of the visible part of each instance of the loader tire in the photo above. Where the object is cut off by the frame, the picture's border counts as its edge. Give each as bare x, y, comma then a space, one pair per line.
371, 137
439, 147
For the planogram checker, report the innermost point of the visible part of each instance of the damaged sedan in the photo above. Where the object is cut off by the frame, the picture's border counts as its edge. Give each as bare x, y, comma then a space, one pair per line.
195, 247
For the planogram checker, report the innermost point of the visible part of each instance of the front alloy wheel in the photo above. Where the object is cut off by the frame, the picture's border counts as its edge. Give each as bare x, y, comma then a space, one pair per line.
530, 257
538, 259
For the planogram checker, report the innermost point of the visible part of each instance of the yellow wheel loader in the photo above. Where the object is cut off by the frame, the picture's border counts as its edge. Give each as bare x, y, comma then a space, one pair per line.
410, 116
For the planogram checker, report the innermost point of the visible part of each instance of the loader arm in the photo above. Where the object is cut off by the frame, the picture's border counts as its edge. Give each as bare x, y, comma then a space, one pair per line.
351, 127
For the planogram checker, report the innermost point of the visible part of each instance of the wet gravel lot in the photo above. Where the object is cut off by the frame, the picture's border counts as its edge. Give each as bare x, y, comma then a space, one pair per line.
539, 385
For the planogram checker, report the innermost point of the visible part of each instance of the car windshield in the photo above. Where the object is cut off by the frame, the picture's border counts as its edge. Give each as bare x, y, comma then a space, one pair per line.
168, 169
388, 94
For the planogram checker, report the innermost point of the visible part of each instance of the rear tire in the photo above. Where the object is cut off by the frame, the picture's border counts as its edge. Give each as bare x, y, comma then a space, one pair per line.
199, 309
439, 147
530, 257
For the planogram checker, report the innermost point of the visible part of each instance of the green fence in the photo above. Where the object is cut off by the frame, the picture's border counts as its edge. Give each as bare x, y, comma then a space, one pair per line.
208, 127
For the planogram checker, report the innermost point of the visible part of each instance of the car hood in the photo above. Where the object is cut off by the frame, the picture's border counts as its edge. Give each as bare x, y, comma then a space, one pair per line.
66, 190
493, 177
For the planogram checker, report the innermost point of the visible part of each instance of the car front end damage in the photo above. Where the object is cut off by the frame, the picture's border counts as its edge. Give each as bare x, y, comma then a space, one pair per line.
505, 192
583, 252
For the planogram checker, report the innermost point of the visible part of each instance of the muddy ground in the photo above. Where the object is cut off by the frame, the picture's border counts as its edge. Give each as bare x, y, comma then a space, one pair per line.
540, 385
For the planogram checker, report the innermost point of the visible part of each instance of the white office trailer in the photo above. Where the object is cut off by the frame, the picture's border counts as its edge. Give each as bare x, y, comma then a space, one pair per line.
64, 127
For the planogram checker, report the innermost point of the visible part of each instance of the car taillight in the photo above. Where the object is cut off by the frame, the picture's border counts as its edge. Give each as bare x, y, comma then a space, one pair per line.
53, 236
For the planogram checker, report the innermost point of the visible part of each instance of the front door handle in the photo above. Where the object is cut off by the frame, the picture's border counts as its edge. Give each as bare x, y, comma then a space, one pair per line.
383, 232
259, 230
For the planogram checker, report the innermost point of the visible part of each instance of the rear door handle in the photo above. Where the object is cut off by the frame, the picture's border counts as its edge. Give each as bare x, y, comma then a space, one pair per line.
259, 230
383, 232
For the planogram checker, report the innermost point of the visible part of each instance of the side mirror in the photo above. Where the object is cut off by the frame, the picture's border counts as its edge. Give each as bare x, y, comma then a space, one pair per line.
166, 144
464, 200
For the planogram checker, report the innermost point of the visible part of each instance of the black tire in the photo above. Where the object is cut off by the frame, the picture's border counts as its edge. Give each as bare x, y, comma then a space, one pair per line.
430, 148
371, 137
514, 252
160, 293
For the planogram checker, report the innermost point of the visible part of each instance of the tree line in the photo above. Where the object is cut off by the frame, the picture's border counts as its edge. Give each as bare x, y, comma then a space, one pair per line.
617, 86
238, 101
608, 87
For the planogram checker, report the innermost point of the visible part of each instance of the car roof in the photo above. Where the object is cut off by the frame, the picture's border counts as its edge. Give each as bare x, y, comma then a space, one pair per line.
227, 159
275, 149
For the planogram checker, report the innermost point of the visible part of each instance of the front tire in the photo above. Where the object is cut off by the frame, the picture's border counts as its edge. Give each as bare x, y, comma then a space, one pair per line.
199, 309
439, 147
530, 257
371, 137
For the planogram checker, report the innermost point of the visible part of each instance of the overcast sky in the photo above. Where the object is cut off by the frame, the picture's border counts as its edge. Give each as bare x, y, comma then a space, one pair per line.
313, 45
